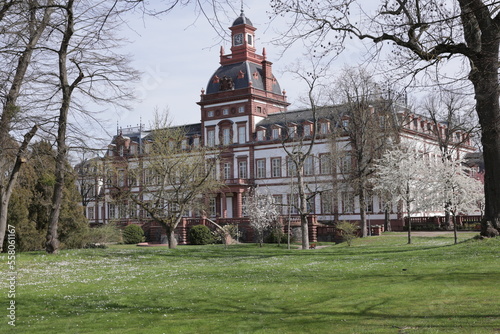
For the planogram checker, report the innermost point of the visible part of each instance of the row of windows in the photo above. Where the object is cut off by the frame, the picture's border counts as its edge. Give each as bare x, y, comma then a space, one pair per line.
226, 136
313, 165
225, 111
321, 164
276, 132
346, 203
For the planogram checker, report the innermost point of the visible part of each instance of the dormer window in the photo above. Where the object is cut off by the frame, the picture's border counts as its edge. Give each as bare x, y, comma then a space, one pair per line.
307, 130
184, 144
276, 133
261, 134
324, 128
196, 141
292, 130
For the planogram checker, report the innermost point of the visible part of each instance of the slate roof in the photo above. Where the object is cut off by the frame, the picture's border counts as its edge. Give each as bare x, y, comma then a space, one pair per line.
242, 19
241, 74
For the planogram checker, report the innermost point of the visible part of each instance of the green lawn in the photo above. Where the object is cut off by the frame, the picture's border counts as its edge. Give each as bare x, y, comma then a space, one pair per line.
379, 285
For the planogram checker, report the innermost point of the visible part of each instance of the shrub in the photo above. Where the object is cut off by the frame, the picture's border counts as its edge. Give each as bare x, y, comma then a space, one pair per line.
348, 231
104, 234
200, 235
133, 234
276, 237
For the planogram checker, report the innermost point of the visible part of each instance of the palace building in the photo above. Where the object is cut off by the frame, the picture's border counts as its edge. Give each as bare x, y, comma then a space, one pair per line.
244, 115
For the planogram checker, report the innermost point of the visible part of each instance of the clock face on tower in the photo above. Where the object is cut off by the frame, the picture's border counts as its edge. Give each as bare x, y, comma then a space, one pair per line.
238, 39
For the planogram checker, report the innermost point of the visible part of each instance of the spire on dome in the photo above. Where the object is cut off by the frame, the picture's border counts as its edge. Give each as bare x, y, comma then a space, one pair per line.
242, 19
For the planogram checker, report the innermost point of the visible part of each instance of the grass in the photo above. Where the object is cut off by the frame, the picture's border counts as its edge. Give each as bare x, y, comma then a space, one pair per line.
379, 285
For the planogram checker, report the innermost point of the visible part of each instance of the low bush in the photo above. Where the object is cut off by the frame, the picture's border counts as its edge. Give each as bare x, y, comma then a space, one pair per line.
276, 238
200, 235
133, 234
104, 234
348, 231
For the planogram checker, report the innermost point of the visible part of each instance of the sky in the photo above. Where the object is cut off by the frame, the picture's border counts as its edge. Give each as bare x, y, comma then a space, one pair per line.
178, 53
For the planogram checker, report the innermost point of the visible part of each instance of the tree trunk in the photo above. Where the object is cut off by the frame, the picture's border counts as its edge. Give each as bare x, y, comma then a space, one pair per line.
7, 192
8, 113
303, 210
172, 242
484, 77
455, 228
387, 222
408, 210
52, 242
362, 211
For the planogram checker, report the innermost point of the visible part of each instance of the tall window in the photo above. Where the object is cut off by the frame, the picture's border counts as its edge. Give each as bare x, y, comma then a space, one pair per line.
348, 201
121, 178
212, 207
242, 134
227, 171
90, 211
292, 168
325, 164
226, 136
242, 169
276, 167
293, 204
309, 165
112, 211
345, 164
261, 168
278, 202
211, 138
327, 202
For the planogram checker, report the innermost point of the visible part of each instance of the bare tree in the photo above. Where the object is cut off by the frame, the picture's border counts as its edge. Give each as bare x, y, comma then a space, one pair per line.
299, 148
174, 179
423, 33
367, 126
81, 53
454, 123
26, 21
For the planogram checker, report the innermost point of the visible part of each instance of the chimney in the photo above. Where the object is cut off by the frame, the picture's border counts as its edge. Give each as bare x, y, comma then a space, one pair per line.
267, 72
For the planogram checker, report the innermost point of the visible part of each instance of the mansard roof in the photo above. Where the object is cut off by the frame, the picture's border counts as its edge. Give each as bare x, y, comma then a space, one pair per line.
190, 130
241, 75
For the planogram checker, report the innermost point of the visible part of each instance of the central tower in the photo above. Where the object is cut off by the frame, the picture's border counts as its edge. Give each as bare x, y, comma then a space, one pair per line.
242, 90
